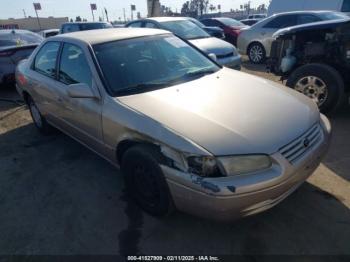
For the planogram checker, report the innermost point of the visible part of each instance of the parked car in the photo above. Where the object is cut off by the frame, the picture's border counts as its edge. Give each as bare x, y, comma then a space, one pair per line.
187, 133
83, 26
226, 54
15, 45
211, 30
281, 6
315, 60
257, 16
49, 32
256, 40
232, 28
250, 22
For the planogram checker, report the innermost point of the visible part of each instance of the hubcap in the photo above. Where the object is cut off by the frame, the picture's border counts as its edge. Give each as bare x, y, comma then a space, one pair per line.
313, 87
256, 53
35, 114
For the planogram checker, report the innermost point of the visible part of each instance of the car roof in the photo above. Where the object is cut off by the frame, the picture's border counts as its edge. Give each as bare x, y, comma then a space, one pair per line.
17, 31
166, 19
312, 26
305, 12
111, 34
50, 30
79, 23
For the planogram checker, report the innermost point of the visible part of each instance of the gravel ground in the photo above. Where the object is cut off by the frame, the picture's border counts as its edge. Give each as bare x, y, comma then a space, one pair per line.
56, 197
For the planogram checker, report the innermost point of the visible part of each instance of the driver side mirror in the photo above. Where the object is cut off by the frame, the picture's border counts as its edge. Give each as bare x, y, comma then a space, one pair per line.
80, 90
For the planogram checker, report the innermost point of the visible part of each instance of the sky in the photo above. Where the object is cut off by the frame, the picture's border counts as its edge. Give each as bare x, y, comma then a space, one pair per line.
73, 8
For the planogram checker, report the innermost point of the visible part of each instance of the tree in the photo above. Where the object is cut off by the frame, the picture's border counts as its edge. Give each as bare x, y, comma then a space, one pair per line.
195, 7
78, 19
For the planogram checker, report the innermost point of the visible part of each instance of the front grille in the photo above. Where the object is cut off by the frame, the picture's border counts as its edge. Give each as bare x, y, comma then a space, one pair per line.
224, 56
299, 147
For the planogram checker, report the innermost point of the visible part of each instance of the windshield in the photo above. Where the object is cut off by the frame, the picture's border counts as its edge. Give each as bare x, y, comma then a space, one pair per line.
333, 16
229, 21
14, 38
148, 63
185, 29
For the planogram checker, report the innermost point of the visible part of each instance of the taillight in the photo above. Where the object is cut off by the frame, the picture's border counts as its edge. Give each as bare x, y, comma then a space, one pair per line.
21, 79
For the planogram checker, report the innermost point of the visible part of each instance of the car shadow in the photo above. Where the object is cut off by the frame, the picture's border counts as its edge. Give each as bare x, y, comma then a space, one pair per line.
338, 157
57, 197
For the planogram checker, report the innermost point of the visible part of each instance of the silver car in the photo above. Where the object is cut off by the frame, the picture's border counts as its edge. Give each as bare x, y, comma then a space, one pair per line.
186, 132
256, 41
226, 54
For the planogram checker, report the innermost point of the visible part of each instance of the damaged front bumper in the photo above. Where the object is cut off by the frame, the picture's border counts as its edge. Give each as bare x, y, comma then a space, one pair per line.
229, 198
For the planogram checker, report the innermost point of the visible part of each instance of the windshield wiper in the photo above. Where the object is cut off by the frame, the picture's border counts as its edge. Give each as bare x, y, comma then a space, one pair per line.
141, 88
201, 72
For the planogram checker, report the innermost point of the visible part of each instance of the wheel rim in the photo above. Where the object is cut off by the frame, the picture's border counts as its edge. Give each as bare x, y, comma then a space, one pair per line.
313, 87
35, 114
256, 53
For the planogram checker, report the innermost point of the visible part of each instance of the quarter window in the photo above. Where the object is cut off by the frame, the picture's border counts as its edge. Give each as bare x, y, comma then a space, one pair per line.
74, 68
45, 60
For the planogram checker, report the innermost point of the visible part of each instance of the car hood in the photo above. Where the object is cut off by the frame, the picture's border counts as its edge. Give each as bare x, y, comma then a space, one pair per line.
230, 112
213, 45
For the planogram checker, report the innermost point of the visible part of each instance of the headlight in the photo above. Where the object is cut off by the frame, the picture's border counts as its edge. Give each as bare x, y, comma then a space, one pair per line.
237, 165
203, 166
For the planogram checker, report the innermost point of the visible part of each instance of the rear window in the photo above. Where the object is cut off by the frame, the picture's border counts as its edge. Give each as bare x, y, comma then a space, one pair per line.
93, 26
333, 15
229, 21
19, 39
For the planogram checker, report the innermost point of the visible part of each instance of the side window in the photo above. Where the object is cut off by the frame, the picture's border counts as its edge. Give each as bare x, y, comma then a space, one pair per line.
70, 28
45, 60
305, 19
151, 25
74, 67
346, 6
282, 22
136, 24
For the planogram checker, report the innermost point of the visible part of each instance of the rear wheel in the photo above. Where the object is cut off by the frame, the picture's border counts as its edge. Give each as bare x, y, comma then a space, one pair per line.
256, 53
145, 181
39, 121
321, 83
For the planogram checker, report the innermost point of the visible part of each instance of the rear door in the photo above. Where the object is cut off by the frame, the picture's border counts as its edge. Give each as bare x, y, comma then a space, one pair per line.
42, 79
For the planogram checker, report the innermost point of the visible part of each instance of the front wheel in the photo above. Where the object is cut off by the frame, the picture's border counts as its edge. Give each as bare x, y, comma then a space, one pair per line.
256, 53
145, 181
321, 83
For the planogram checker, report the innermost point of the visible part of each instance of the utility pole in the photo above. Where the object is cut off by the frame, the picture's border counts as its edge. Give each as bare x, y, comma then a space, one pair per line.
93, 7
24, 13
124, 15
37, 7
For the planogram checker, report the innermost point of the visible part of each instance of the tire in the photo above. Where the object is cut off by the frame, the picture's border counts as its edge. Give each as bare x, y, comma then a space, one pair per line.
322, 77
39, 121
256, 53
145, 181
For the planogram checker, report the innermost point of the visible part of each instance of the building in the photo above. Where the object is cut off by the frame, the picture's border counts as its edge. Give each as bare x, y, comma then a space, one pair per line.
32, 24
153, 8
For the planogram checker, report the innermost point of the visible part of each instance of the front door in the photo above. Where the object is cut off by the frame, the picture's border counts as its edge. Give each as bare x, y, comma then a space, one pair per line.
81, 117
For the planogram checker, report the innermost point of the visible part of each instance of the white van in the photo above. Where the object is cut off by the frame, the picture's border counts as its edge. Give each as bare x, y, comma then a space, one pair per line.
279, 6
